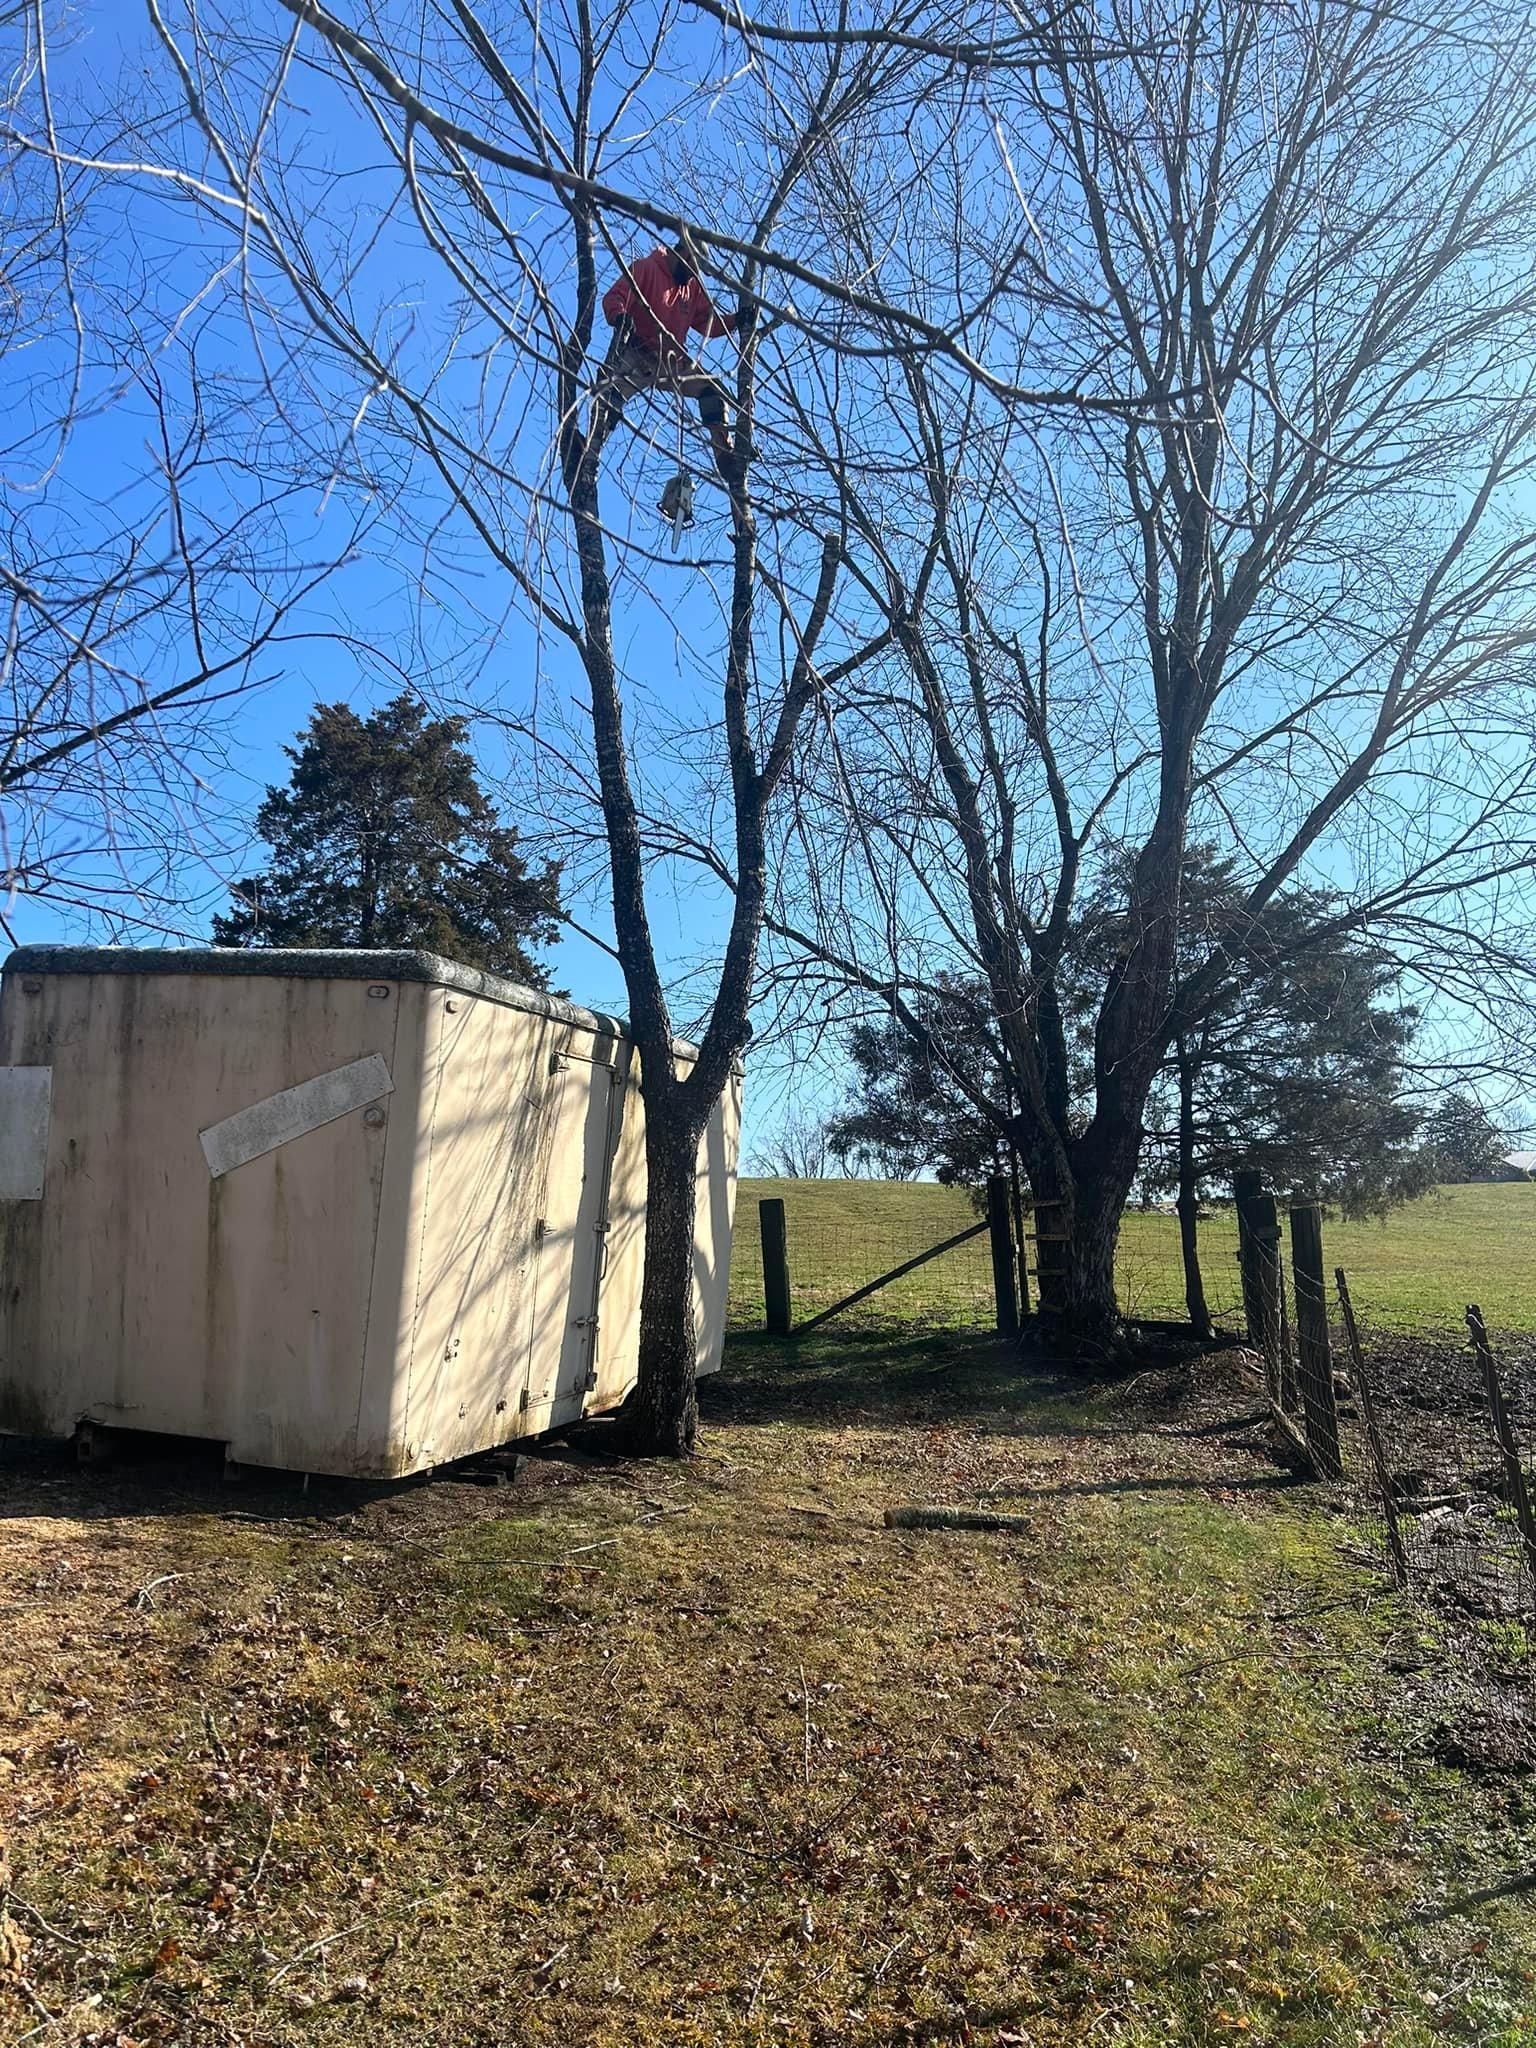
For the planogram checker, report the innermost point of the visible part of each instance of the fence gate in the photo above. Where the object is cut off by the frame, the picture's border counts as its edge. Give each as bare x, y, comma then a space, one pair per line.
887, 1271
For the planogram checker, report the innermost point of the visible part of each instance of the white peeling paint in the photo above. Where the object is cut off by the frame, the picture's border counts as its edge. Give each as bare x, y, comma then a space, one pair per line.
26, 1100
265, 1125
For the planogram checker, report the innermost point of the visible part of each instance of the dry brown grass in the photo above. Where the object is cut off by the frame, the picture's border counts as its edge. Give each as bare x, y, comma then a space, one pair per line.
730, 1762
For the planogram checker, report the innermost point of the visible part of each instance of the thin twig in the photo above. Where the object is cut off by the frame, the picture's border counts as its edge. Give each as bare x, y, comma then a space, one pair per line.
141, 1599
889, 1956
758, 1985
266, 1850
330, 1940
9, 1902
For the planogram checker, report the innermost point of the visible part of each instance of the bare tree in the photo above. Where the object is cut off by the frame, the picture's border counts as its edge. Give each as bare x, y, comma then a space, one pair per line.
504, 165
510, 163
1291, 611
147, 579
797, 1149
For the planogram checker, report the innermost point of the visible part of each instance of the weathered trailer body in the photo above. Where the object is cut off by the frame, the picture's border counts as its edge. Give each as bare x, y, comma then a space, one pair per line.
356, 1213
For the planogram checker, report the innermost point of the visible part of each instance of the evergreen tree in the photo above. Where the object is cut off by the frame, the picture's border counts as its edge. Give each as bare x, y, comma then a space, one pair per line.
1293, 1064
908, 1111
1467, 1143
383, 837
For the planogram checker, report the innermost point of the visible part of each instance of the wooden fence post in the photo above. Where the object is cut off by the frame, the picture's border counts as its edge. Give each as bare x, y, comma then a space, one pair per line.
770, 1217
1504, 1436
1395, 1550
1248, 1188
1258, 1254
1264, 1223
1314, 1360
1000, 1229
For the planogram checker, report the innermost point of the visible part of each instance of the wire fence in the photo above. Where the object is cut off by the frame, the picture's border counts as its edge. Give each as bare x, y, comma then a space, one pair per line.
1425, 1430
1149, 1267
1414, 1272
1447, 1450
1432, 1434
841, 1235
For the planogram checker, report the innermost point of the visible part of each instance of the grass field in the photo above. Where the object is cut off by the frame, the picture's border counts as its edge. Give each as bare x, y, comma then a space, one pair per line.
635, 1757
1417, 1270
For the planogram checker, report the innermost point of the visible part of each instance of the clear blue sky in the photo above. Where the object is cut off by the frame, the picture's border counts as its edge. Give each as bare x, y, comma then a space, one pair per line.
376, 596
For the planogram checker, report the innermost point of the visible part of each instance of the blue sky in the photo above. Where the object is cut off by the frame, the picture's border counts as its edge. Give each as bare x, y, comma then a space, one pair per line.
467, 644
497, 657
451, 622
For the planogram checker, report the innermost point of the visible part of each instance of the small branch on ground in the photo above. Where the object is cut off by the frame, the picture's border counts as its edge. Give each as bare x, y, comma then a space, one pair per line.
954, 1518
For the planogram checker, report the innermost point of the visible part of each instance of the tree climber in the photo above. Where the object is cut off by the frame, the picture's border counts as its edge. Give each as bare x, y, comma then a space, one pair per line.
652, 309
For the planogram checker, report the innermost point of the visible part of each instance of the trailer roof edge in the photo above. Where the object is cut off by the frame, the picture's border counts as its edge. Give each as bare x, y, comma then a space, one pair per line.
319, 963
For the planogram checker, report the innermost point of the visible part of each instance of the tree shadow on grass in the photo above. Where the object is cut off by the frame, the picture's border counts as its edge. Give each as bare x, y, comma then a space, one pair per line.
917, 1376
1074, 1489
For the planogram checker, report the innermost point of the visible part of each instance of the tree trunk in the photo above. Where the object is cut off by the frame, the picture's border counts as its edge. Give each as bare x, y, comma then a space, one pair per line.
663, 1411
1091, 1314
1077, 1227
1189, 1200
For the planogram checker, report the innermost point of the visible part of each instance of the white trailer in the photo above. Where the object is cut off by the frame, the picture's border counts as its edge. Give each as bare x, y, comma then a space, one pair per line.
343, 1212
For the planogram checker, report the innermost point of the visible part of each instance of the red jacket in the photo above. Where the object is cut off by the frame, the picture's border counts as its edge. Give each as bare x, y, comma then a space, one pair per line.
661, 310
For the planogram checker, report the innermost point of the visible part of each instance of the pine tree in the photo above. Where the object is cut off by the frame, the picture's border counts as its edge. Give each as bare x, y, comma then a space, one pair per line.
1294, 1064
1467, 1144
383, 837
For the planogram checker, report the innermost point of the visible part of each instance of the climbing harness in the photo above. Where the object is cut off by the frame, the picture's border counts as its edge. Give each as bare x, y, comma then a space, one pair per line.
677, 497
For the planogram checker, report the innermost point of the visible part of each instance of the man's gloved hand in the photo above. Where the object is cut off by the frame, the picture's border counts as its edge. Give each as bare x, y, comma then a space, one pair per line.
746, 314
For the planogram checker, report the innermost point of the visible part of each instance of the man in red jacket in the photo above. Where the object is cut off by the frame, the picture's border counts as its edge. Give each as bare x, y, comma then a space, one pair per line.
652, 309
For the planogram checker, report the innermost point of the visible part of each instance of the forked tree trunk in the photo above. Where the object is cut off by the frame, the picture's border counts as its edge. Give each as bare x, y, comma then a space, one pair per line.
663, 1412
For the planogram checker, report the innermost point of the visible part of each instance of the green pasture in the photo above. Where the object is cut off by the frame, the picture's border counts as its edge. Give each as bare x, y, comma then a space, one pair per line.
1416, 1270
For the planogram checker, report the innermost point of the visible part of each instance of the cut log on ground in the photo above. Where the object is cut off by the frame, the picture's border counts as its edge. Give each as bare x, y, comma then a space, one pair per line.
954, 1518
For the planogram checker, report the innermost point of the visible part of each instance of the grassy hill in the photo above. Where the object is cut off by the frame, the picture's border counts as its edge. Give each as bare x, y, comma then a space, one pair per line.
1418, 1269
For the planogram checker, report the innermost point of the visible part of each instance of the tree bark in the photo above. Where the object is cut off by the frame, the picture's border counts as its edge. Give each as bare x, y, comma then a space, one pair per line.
663, 1413
1189, 1200
1077, 1227
1091, 1313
